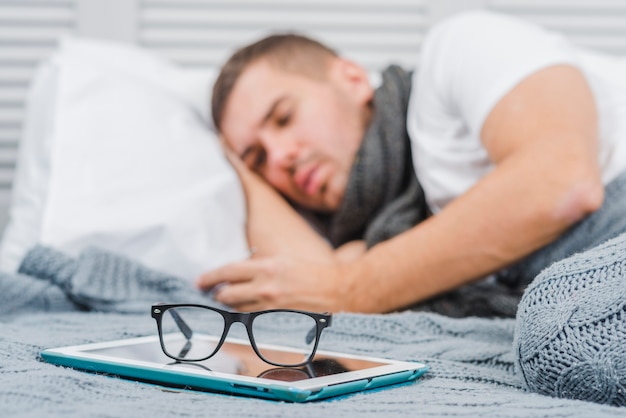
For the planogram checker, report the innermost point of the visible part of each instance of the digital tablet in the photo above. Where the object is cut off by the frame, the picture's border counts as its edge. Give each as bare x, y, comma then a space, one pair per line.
236, 369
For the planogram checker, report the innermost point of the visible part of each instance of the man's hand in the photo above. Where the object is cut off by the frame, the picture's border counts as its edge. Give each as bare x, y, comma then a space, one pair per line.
278, 282
292, 266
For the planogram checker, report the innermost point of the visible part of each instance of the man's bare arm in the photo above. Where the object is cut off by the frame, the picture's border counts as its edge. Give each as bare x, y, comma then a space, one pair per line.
542, 137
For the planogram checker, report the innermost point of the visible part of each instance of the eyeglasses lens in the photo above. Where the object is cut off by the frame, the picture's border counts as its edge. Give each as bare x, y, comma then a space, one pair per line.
290, 329
186, 331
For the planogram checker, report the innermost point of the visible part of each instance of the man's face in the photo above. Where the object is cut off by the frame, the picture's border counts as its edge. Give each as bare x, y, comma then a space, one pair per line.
299, 133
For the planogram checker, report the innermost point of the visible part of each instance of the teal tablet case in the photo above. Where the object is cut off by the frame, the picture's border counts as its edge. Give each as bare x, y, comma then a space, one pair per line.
181, 379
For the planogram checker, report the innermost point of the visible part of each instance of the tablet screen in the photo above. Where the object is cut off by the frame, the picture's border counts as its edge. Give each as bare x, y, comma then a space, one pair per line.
240, 359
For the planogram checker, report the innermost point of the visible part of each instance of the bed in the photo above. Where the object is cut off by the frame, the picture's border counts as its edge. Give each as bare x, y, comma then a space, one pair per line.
59, 300
78, 173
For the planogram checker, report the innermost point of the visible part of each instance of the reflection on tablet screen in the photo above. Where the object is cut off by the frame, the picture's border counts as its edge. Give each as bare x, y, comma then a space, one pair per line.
240, 359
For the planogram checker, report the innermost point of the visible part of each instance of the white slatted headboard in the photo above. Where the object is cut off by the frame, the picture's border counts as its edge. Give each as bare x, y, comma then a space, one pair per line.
28, 32
202, 33
597, 24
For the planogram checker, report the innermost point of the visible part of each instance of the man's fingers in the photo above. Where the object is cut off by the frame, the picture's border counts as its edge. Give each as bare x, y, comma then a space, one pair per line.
230, 273
240, 296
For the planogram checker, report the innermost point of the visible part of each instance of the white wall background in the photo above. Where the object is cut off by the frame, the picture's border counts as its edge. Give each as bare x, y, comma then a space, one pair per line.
201, 34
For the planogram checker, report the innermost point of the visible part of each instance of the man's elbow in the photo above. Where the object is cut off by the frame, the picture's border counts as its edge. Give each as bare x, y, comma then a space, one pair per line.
582, 196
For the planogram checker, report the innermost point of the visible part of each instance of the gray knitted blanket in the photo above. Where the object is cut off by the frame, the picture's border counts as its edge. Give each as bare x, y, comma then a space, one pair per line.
57, 301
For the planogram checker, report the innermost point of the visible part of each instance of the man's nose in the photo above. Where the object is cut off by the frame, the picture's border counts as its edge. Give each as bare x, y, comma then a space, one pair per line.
282, 150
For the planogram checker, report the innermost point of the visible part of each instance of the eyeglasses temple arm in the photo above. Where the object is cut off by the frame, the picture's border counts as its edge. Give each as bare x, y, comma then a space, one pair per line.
182, 325
310, 336
185, 350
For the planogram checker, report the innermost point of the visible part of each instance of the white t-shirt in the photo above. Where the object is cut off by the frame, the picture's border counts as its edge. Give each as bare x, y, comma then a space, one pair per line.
468, 63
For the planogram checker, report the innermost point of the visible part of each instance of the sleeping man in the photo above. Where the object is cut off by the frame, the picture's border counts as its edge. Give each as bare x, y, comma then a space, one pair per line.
502, 153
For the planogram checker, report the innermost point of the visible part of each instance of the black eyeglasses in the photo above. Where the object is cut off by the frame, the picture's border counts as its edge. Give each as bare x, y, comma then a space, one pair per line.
187, 332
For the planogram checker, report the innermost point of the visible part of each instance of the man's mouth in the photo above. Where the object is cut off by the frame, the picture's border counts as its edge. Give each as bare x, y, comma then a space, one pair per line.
307, 180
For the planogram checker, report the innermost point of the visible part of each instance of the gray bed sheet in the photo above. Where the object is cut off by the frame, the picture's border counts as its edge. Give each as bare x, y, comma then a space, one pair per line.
59, 301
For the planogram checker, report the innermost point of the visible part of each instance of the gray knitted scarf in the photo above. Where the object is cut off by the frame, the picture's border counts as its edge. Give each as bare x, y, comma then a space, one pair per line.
383, 197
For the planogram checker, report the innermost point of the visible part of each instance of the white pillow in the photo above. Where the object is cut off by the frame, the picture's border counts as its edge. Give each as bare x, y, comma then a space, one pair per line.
116, 154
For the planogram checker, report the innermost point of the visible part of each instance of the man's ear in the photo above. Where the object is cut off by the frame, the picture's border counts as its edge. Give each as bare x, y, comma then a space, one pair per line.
354, 78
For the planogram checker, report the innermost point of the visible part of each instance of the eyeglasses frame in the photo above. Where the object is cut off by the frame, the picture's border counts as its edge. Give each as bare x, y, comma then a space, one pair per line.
322, 320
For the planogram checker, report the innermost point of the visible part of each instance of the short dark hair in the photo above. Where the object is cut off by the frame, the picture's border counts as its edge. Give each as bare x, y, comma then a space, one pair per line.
289, 52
